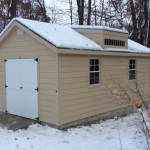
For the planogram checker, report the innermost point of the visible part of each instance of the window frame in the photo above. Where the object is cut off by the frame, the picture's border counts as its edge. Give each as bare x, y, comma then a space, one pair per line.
133, 69
112, 42
94, 71
19, 32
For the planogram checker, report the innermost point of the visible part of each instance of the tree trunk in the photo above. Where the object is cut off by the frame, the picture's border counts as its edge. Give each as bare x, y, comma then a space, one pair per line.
80, 5
148, 38
89, 13
71, 14
95, 13
12, 9
134, 20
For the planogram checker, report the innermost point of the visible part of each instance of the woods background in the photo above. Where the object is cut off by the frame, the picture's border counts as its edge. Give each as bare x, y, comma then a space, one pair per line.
131, 15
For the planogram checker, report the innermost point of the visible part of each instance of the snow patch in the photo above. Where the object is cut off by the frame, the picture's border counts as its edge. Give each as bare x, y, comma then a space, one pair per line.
102, 135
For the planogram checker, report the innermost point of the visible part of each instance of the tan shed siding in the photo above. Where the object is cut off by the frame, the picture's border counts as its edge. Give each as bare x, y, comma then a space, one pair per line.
26, 46
94, 35
79, 99
100, 35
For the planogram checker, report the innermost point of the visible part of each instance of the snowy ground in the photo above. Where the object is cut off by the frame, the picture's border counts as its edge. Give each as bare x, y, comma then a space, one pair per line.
103, 135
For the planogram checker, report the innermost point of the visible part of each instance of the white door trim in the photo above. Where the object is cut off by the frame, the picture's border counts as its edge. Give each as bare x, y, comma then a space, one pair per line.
22, 101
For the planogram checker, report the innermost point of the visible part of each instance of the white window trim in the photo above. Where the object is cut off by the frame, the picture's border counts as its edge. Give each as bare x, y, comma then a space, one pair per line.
94, 71
132, 69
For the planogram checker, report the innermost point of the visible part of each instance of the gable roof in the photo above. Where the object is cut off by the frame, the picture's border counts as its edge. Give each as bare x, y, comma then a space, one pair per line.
59, 36
65, 37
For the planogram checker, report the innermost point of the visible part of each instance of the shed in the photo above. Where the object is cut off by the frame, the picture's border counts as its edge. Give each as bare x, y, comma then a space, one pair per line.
54, 73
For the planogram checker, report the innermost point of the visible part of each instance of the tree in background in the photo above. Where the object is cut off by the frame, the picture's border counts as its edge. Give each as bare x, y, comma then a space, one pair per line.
29, 9
89, 13
80, 10
132, 15
42, 9
12, 9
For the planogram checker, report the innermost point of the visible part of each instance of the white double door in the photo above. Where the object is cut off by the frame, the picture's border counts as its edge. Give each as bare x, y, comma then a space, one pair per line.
22, 88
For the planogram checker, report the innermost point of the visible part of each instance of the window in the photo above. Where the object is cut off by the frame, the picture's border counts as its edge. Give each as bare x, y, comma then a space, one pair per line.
94, 71
19, 32
114, 42
132, 69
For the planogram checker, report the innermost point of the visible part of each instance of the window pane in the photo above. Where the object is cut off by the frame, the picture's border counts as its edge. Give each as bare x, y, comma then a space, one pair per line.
133, 61
118, 42
112, 42
91, 68
132, 74
130, 61
96, 61
109, 42
131, 67
105, 42
132, 77
91, 81
96, 80
91, 62
97, 74
121, 43
92, 75
96, 68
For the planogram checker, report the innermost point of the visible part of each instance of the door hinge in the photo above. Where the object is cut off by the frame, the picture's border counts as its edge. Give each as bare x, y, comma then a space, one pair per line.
37, 89
36, 59
5, 60
6, 86
37, 118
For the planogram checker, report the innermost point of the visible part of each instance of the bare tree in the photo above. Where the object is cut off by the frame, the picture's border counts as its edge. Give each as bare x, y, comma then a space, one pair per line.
12, 9
89, 13
43, 10
80, 4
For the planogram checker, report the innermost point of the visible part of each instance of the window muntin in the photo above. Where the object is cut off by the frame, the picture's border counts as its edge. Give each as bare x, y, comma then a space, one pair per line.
132, 69
114, 42
94, 71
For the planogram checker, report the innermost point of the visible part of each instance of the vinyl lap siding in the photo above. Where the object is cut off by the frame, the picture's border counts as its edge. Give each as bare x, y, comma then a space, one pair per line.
27, 47
79, 99
93, 35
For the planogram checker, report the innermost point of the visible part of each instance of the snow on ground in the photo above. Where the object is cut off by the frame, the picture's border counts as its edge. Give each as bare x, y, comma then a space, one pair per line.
103, 135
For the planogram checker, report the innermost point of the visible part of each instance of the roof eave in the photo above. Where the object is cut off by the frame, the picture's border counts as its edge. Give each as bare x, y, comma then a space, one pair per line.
102, 53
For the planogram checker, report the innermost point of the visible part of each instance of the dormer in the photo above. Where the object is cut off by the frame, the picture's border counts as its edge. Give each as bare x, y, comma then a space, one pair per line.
107, 38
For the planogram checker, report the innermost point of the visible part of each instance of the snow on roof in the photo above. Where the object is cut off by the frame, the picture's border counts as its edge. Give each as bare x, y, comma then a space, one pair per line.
98, 28
133, 47
58, 35
66, 37
136, 47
